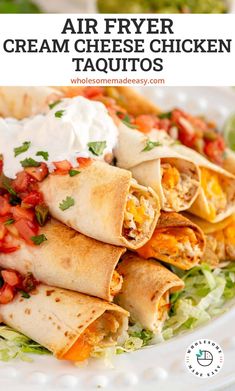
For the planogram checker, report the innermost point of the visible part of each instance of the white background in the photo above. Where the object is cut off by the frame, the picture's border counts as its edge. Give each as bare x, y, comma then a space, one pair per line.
57, 69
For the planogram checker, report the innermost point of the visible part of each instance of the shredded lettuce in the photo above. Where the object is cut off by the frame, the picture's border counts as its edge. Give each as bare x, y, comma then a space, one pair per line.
15, 345
204, 296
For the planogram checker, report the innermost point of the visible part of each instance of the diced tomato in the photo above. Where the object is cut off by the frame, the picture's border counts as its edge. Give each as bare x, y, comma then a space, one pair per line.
26, 229
22, 181
145, 123
22, 213
2, 231
84, 161
5, 207
91, 92
1, 166
6, 249
62, 167
6, 294
11, 277
177, 114
33, 198
187, 139
215, 150
38, 173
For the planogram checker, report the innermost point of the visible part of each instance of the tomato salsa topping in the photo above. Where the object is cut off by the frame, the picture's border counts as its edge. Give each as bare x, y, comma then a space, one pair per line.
22, 207
12, 282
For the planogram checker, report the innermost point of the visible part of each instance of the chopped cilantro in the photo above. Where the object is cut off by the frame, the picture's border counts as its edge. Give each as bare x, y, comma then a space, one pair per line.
53, 104
29, 162
24, 294
73, 172
38, 239
23, 148
6, 183
97, 147
44, 154
150, 145
67, 203
59, 114
165, 115
9, 221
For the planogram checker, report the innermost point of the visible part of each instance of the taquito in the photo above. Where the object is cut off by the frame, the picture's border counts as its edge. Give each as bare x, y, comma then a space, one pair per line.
146, 290
216, 197
69, 324
21, 102
176, 240
152, 163
69, 260
108, 204
220, 240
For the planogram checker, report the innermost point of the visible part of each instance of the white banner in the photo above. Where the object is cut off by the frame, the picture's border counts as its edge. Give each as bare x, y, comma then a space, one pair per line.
173, 50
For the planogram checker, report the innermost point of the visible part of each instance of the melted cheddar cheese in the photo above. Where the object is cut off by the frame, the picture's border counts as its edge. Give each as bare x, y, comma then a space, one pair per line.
166, 240
229, 233
170, 176
212, 186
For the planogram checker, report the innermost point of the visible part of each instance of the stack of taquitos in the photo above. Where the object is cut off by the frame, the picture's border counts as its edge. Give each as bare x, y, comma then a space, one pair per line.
109, 206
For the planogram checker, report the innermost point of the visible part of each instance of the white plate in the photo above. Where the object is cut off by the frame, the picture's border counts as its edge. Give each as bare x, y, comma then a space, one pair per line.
155, 368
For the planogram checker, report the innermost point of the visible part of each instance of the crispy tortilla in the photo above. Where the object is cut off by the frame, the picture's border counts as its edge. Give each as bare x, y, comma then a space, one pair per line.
145, 285
69, 260
56, 318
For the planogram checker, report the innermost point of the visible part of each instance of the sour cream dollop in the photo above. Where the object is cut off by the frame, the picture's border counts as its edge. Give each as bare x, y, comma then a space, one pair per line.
64, 133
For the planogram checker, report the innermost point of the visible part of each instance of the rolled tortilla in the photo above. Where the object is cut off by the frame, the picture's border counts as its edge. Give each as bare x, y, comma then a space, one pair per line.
69, 260
176, 240
146, 289
21, 102
69, 324
216, 197
174, 178
108, 204
220, 240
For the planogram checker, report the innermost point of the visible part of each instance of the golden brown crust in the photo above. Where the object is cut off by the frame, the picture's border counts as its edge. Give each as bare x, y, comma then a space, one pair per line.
63, 314
69, 260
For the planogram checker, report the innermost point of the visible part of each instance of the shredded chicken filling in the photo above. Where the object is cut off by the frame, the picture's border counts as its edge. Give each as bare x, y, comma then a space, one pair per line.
116, 283
139, 215
222, 243
178, 187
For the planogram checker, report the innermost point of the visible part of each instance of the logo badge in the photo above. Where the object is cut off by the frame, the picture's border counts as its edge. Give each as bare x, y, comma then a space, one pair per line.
204, 358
